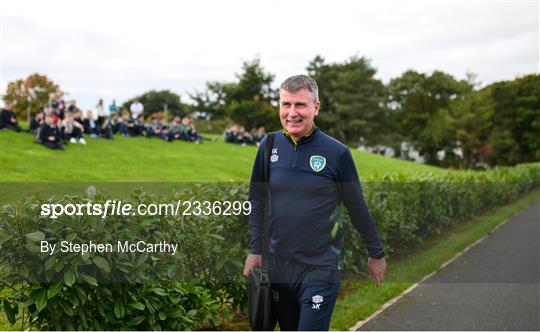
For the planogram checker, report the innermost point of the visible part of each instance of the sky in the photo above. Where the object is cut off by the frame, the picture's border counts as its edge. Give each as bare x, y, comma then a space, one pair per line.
120, 49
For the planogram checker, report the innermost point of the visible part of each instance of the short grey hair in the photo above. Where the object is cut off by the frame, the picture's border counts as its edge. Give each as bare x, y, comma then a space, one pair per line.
301, 82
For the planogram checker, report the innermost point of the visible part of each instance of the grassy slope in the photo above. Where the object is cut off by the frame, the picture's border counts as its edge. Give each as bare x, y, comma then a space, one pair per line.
141, 159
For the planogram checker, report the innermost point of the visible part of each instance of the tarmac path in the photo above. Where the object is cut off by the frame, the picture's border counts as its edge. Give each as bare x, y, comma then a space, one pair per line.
493, 286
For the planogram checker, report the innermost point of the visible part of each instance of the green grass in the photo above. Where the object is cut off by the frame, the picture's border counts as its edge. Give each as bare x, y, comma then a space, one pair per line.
140, 159
360, 298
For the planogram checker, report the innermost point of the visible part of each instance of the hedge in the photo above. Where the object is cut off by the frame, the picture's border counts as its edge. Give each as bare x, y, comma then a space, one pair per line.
202, 283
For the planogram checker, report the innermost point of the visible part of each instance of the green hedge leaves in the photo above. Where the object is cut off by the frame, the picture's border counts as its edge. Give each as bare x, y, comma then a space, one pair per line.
202, 283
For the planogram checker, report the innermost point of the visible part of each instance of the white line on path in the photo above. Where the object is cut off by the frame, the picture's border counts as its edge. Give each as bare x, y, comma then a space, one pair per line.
385, 306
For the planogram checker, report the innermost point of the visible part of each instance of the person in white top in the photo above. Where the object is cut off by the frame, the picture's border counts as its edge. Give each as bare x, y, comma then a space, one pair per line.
102, 112
136, 109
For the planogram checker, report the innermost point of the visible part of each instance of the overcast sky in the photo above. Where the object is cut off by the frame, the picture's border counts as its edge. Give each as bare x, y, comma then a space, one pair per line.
118, 49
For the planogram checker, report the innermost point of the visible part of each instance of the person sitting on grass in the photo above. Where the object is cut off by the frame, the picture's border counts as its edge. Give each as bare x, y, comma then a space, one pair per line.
137, 128
242, 137
60, 110
153, 128
106, 128
229, 133
259, 135
71, 130
176, 129
8, 118
126, 125
164, 130
36, 122
90, 125
49, 134
190, 133
121, 123
116, 120
48, 110
78, 117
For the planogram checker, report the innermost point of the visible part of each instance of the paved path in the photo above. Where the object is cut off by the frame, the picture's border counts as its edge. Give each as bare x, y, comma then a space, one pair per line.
493, 286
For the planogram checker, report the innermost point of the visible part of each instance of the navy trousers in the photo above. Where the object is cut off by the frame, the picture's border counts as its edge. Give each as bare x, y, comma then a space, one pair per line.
304, 295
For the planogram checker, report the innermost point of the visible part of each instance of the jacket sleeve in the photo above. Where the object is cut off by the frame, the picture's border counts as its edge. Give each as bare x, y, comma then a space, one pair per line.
257, 198
350, 192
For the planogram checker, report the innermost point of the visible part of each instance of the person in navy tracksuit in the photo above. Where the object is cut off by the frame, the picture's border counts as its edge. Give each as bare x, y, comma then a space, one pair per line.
310, 176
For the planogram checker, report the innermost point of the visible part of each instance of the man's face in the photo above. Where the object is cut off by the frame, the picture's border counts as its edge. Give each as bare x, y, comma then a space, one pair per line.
297, 112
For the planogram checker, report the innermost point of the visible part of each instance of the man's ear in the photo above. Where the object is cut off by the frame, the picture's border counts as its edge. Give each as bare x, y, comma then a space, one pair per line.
317, 107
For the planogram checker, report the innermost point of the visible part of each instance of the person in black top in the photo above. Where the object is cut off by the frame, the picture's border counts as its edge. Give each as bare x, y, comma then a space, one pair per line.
310, 177
71, 130
259, 135
36, 122
72, 106
8, 119
153, 128
176, 129
61, 109
49, 134
124, 124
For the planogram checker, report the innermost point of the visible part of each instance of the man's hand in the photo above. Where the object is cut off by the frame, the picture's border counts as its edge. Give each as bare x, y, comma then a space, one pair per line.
251, 262
376, 269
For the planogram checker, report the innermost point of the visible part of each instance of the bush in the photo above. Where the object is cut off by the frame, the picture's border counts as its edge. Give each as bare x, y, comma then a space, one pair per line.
191, 289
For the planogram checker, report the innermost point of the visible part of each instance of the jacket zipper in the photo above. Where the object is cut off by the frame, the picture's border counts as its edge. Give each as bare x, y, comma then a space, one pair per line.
295, 154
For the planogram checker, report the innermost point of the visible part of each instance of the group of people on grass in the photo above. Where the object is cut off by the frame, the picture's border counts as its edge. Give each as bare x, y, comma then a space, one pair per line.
239, 135
59, 123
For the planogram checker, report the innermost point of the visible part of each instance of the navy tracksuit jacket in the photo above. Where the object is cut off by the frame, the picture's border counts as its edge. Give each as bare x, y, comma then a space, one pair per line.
309, 180
304, 201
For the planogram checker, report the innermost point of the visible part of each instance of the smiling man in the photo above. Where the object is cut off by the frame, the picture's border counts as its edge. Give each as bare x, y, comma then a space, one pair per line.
310, 176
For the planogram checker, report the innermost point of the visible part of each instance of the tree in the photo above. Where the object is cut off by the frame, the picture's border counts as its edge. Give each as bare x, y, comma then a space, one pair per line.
352, 100
251, 100
211, 101
422, 104
516, 121
527, 108
473, 125
254, 83
30, 94
159, 101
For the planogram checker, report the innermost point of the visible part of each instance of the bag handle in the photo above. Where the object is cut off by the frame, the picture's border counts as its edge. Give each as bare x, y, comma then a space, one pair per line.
267, 153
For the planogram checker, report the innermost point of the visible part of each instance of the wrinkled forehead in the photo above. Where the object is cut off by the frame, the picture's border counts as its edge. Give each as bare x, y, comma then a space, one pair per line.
300, 95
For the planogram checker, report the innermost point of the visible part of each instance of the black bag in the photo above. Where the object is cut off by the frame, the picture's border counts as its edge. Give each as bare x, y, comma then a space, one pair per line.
261, 317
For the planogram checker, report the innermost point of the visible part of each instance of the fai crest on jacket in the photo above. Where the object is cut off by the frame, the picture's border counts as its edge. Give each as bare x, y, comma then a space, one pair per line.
317, 163
274, 157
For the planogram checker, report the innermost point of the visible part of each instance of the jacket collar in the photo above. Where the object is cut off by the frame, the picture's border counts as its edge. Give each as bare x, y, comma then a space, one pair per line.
309, 137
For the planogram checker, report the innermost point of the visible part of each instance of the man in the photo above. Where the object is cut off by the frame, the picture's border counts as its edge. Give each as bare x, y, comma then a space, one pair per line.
49, 134
113, 108
310, 175
72, 131
72, 106
136, 109
102, 113
8, 118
